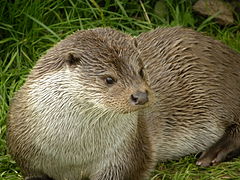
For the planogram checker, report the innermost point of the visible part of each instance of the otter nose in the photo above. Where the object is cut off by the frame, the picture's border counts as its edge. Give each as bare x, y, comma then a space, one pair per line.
139, 98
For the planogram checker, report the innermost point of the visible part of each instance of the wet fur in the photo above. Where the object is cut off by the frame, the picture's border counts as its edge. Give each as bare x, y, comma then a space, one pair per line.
63, 126
196, 81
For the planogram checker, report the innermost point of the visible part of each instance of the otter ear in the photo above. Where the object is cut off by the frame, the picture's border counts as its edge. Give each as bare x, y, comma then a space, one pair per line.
72, 59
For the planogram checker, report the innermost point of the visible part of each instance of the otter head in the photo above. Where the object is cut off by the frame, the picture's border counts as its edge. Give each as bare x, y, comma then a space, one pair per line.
106, 71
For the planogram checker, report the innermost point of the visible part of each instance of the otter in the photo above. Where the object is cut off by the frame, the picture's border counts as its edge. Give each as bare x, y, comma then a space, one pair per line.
76, 116
196, 82
107, 106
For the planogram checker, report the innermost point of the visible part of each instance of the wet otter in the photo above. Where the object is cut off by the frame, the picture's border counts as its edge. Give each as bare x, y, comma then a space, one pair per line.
77, 114
88, 110
196, 81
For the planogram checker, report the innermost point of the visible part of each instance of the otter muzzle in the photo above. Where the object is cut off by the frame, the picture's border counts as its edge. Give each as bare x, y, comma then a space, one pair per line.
139, 98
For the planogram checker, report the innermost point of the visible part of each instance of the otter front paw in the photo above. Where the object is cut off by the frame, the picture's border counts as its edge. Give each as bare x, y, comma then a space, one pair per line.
226, 148
211, 157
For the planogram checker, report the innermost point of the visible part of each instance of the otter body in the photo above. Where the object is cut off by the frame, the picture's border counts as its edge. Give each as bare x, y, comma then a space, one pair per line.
106, 106
196, 81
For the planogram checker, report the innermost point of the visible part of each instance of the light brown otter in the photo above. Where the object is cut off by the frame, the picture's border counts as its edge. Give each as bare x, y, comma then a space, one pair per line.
76, 116
196, 81
80, 113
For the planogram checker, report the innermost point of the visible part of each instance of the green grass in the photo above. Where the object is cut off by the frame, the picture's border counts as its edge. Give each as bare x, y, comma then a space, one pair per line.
29, 27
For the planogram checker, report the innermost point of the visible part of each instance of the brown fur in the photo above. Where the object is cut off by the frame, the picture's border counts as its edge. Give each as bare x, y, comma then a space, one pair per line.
196, 81
65, 123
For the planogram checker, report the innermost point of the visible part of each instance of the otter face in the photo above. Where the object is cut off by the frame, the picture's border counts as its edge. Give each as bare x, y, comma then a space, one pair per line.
109, 74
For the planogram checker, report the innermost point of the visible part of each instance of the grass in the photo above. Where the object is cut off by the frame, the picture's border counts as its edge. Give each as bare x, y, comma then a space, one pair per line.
29, 27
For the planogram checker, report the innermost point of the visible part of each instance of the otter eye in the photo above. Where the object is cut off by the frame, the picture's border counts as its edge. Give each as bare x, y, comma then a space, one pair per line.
110, 80
141, 73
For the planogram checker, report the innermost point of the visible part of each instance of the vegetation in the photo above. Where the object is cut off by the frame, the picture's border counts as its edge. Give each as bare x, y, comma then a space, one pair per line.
29, 27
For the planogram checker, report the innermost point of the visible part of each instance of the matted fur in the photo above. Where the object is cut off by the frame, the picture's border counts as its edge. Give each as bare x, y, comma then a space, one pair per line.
66, 123
196, 81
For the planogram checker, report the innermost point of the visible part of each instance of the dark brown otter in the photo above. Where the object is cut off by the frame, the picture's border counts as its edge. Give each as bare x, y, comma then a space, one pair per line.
76, 116
196, 81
